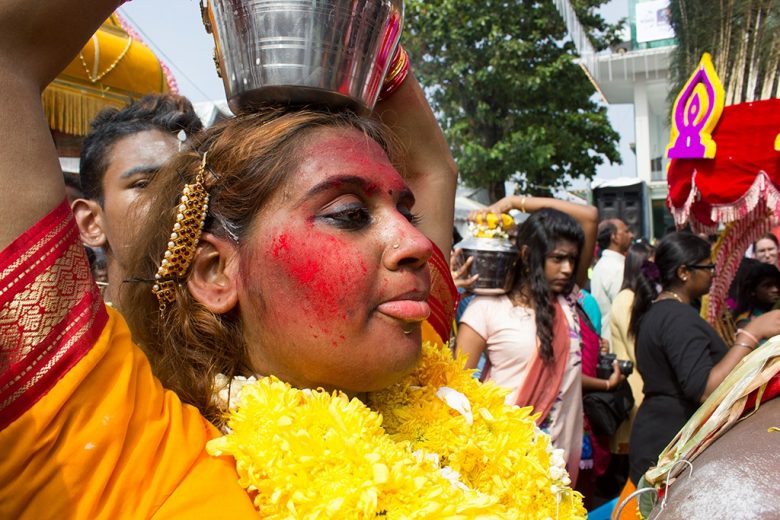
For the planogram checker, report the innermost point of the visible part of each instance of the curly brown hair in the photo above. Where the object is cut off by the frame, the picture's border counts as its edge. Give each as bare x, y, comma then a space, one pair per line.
249, 158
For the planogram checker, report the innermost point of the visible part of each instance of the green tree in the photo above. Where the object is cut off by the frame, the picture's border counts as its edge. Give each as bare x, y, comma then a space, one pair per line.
743, 37
502, 78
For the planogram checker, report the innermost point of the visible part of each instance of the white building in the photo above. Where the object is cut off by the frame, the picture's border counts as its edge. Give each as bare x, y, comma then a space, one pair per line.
637, 72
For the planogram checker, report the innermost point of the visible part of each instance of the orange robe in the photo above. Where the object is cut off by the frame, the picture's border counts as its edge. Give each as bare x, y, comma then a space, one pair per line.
86, 430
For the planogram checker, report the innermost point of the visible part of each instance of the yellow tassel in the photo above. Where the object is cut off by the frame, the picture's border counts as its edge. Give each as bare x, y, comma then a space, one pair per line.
70, 110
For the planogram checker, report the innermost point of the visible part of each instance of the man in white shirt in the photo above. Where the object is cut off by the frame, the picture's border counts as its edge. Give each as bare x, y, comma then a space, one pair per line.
614, 239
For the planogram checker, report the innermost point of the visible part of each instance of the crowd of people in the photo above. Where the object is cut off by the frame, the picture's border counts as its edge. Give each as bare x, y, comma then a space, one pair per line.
304, 247
648, 298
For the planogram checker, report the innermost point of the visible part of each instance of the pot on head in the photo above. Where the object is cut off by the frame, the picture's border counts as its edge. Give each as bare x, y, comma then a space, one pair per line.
494, 262
332, 53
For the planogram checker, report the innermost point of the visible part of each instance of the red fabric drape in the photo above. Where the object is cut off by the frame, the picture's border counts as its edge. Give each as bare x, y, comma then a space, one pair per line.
745, 138
543, 380
444, 295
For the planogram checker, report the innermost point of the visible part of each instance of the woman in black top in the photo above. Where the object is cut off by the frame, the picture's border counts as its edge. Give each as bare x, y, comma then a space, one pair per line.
679, 355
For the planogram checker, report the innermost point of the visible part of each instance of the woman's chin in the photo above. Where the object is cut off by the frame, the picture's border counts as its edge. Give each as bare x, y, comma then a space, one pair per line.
398, 359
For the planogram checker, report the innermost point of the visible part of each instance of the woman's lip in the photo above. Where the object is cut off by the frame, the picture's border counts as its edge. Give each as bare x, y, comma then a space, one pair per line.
406, 310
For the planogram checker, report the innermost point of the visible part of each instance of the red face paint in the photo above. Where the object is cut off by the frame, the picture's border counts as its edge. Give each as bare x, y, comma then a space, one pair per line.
320, 265
322, 268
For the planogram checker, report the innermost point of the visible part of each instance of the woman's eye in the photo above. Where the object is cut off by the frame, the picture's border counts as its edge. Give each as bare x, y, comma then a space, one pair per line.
412, 217
140, 184
559, 259
355, 217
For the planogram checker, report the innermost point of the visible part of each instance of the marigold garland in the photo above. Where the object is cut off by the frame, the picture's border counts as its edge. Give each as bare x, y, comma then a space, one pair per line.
493, 226
438, 444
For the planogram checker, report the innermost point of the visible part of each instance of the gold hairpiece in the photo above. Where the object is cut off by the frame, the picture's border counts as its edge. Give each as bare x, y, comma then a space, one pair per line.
191, 214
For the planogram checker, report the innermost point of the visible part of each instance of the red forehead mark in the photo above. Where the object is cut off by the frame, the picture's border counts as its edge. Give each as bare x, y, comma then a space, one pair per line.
356, 155
338, 148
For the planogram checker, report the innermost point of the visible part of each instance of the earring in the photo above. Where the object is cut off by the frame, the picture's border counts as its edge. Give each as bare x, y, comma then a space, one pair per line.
181, 137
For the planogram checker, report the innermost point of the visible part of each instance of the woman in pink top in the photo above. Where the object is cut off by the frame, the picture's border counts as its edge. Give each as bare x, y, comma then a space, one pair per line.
530, 335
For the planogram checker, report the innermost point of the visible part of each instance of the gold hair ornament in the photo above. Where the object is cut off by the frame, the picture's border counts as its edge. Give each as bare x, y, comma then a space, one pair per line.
191, 214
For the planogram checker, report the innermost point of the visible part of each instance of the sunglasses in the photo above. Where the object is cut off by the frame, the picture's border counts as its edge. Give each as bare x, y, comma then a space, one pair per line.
709, 267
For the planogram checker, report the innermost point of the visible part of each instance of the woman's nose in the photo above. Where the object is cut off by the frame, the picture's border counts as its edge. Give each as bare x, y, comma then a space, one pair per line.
410, 248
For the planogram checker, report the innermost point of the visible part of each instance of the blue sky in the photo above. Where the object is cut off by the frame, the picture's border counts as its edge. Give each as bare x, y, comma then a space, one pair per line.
173, 29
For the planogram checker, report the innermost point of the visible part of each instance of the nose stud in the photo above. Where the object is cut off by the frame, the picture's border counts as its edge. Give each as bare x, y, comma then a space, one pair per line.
395, 246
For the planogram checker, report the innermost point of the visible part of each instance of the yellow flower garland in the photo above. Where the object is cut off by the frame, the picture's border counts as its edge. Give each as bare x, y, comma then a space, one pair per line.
493, 226
438, 444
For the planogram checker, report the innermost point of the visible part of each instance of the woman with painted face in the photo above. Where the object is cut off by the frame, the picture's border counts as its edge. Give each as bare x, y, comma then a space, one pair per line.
311, 228
680, 356
284, 247
529, 335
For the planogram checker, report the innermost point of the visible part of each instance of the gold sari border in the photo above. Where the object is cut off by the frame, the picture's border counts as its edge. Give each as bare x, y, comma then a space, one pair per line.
51, 312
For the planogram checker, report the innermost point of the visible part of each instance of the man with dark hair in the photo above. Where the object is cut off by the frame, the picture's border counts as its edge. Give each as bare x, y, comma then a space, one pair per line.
613, 240
123, 150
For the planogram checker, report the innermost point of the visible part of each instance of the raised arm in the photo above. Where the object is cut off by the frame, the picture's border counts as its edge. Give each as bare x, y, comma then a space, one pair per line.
430, 169
37, 40
587, 216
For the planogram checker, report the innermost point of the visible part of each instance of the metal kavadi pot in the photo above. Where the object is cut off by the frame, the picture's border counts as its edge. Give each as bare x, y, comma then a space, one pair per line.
494, 262
324, 52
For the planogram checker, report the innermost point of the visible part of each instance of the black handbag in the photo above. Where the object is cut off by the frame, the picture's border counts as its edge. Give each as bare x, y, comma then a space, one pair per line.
607, 410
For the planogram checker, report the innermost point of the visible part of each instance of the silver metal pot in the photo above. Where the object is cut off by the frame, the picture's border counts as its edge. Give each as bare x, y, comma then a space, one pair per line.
494, 262
325, 52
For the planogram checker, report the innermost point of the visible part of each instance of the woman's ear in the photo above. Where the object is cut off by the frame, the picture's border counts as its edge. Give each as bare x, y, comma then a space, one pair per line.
213, 280
89, 218
682, 273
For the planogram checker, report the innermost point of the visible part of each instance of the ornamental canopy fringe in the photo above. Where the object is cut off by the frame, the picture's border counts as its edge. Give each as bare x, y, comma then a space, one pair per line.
723, 159
113, 69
